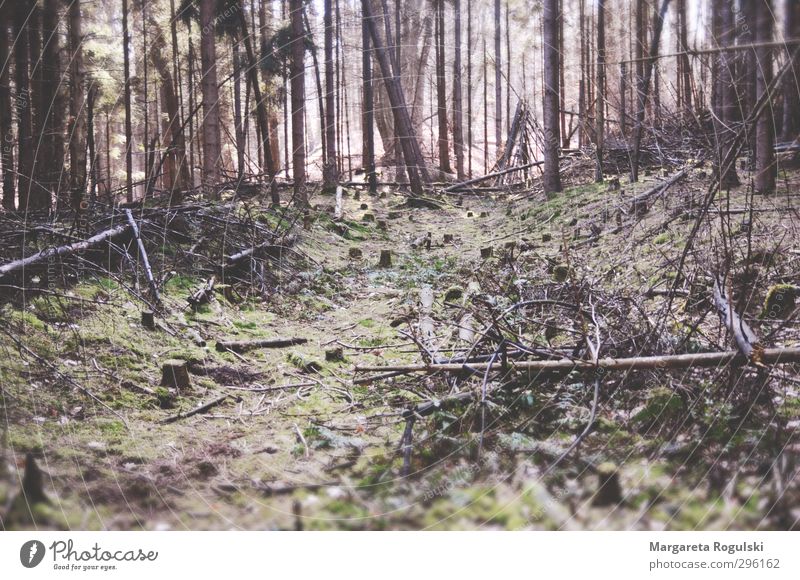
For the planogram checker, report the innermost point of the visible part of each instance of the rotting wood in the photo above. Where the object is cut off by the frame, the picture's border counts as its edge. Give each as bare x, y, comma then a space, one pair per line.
456, 186
338, 209
244, 345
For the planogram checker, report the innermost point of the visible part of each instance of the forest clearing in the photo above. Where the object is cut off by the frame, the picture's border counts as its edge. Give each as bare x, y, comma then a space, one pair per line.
407, 324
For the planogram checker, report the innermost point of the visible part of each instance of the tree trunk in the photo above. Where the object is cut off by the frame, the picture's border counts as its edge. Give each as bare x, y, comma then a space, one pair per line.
458, 112
298, 84
369, 106
766, 168
212, 152
23, 104
172, 127
747, 82
601, 89
51, 110
685, 67
726, 90
330, 172
77, 125
441, 91
552, 178
644, 88
6, 118
498, 85
415, 164
126, 46
469, 87
791, 86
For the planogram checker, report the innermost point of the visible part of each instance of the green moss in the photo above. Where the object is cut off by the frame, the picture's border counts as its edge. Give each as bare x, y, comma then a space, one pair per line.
662, 406
306, 365
561, 272
662, 238
780, 301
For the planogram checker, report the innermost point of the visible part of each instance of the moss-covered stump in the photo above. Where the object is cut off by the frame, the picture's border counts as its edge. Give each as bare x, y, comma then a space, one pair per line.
780, 301
609, 491
175, 374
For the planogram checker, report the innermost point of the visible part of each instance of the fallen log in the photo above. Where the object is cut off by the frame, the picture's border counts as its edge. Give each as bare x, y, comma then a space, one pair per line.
243, 345
678, 361
467, 183
339, 209
639, 203
238, 257
143, 255
743, 336
66, 250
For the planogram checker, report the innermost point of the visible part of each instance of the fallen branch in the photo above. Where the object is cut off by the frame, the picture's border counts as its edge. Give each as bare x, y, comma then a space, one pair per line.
744, 337
201, 409
243, 345
66, 250
678, 361
457, 186
143, 255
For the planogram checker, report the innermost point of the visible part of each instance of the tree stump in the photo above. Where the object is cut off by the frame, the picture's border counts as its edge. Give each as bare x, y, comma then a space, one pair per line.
355, 253
382, 225
364, 206
385, 260
448, 238
368, 217
609, 491
175, 374
335, 354
486, 253
148, 319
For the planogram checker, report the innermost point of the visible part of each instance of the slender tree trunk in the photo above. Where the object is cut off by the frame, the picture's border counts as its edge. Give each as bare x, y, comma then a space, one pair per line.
766, 167
726, 91
126, 47
601, 88
237, 110
6, 116
645, 86
51, 109
552, 178
441, 91
212, 151
485, 109
791, 85
22, 100
415, 164
562, 109
470, 120
685, 68
330, 171
582, 85
623, 103
91, 99
298, 83
458, 112
498, 84
369, 107
77, 114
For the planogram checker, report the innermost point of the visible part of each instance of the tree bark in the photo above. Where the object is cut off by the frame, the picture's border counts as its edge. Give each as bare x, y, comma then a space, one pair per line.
441, 91
415, 164
458, 112
6, 117
766, 168
298, 85
51, 111
126, 47
369, 106
212, 151
644, 89
726, 91
791, 86
77, 125
498, 67
601, 89
23, 104
330, 172
552, 178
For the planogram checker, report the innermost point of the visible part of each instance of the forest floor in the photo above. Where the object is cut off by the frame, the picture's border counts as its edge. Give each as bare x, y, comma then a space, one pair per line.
325, 455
